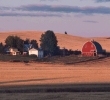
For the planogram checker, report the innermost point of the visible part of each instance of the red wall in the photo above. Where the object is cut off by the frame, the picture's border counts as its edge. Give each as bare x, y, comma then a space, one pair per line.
86, 50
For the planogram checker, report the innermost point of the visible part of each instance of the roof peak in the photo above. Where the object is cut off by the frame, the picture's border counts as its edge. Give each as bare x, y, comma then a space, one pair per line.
92, 40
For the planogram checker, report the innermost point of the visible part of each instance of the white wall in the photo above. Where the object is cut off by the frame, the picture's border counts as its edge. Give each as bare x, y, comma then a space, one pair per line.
33, 52
38, 53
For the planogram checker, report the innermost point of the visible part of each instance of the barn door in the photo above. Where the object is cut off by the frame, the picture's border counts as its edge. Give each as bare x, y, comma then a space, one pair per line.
95, 53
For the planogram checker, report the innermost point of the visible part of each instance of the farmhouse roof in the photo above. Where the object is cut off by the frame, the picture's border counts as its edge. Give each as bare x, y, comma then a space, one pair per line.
13, 49
26, 47
33, 49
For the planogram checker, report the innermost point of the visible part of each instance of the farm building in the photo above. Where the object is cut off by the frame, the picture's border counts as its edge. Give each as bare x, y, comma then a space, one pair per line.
26, 48
13, 51
38, 52
92, 48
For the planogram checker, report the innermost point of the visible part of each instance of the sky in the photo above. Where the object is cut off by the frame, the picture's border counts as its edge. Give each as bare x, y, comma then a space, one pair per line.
87, 18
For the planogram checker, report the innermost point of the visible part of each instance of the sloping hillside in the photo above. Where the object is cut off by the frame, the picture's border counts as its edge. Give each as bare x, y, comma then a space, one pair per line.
64, 40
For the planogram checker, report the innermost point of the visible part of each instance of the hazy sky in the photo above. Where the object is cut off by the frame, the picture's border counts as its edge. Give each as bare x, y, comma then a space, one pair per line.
78, 17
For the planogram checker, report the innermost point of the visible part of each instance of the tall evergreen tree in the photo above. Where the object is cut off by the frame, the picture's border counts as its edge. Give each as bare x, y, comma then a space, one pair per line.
49, 43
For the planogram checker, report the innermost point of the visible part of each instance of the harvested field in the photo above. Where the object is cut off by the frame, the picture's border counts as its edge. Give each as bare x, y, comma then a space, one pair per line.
31, 81
41, 73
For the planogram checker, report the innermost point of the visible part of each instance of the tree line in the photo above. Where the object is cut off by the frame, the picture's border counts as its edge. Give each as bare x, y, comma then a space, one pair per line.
48, 43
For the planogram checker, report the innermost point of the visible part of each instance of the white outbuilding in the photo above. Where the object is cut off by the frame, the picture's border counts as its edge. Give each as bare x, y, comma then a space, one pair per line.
38, 52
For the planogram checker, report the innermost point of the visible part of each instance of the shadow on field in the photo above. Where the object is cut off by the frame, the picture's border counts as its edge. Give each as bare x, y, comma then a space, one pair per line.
32, 80
49, 88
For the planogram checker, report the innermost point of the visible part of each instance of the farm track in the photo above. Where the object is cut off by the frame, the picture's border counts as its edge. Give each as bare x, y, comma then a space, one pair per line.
78, 60
99, 60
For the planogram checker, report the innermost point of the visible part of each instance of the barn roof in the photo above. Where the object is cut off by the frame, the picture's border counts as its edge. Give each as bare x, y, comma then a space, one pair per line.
98, 46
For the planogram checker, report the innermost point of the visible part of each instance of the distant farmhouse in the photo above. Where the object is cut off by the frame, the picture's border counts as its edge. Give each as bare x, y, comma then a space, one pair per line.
92, 48
13, 51
38, 52
28, 49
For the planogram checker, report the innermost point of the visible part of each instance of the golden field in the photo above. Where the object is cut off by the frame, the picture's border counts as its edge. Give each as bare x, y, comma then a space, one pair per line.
39, 73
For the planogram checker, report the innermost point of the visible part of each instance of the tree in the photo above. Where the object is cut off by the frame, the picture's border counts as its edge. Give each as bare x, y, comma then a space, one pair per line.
65, 32
1, 48
49, 43
19, 43
10, 41
15, 42
27, 41
34, 43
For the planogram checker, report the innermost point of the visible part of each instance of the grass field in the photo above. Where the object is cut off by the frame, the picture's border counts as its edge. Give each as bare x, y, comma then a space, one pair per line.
71, 59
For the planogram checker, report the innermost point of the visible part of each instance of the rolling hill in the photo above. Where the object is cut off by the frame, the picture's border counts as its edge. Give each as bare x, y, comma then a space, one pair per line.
64, 40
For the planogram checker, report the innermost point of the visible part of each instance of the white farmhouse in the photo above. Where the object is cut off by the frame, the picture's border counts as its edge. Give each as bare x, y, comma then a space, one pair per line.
13, 51
38, 52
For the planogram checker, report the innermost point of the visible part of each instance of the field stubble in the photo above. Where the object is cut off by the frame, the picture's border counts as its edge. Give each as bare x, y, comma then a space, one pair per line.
24, 74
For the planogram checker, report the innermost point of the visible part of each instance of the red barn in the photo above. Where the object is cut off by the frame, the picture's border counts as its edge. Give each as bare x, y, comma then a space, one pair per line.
91, 48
